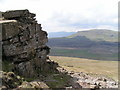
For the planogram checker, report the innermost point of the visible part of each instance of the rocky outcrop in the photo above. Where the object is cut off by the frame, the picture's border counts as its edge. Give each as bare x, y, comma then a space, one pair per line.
24, 43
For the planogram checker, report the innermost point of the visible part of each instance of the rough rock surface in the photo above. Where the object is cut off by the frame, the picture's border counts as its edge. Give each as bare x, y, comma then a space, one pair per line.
95, 82
11, 80
34, 85
86, 81
24, 43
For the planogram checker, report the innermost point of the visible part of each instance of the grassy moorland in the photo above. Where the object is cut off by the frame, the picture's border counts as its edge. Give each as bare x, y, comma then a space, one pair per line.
85, 53
93, 67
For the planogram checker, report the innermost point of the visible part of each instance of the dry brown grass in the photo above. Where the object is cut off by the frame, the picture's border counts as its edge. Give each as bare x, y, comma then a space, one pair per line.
107, 68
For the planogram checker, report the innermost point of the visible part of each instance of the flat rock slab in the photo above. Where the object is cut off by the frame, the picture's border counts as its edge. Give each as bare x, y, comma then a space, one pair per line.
7, 21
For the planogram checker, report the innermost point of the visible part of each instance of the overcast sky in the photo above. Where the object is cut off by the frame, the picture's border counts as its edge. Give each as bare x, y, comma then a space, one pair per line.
69, 15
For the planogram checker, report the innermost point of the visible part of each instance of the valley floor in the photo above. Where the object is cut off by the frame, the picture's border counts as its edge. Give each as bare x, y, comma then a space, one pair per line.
93, 67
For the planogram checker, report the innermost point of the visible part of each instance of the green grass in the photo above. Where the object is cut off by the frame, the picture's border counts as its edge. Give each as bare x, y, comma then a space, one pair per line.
82, 53
96, 67
58, 81
7, 66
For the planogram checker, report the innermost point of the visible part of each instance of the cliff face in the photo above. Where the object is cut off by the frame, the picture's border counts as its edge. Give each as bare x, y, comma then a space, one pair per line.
24, 43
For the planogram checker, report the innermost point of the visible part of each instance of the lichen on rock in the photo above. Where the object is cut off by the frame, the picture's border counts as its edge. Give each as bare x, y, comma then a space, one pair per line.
10, 80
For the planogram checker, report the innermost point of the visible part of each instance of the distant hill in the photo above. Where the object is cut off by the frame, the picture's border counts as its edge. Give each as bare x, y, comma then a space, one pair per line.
93, 44
59, 34
98, 35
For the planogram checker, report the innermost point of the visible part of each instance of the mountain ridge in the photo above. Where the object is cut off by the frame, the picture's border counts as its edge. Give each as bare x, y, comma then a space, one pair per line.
98, 35
59, 34
103, 47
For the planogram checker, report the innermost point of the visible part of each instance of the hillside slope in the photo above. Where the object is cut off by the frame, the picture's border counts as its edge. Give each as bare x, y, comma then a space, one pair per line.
98, 35
59, 34
87, 44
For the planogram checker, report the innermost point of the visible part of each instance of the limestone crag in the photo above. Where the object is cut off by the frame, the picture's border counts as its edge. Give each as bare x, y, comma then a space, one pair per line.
24, 43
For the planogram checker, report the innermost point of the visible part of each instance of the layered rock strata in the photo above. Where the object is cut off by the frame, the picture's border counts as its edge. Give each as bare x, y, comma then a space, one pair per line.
24, 43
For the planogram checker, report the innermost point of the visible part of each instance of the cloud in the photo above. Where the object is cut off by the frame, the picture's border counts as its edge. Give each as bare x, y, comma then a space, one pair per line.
69, 15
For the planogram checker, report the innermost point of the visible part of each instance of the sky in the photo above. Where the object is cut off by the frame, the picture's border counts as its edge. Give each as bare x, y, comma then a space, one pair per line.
69, 15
